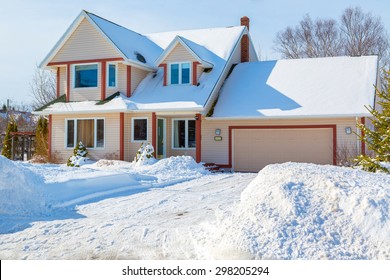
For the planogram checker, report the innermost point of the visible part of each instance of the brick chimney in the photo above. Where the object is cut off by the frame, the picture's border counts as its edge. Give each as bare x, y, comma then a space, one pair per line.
245, 41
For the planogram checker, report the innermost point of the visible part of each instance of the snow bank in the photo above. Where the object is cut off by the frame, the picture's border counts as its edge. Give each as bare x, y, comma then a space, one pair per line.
306, 211
21, 190
175, 168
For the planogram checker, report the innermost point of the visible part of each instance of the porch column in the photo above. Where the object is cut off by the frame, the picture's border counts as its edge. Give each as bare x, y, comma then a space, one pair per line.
154, 132
198, 135
121, 136
49, 136
103, 81
67, 82
128, 81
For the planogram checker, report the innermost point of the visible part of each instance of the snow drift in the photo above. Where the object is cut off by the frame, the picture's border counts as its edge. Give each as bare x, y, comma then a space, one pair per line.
21, 190
306, 211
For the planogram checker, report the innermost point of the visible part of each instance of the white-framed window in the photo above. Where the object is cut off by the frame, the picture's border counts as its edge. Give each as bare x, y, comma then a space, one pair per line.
180, 73
139, 131
183, 134
112, 76
85, 75
89, 131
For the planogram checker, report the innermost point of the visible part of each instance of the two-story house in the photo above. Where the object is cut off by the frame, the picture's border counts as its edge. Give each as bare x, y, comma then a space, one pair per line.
201, 93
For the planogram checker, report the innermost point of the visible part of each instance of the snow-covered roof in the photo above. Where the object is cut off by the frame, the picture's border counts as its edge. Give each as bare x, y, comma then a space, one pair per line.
128, 42
214, 45
313, 87
219, 41
120, 103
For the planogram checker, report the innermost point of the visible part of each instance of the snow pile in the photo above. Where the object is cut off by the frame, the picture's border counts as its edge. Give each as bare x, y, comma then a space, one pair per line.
175, 168
21, 190
306, 211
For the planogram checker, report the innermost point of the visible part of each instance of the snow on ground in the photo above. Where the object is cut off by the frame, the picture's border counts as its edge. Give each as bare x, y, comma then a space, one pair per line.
304, 211
174, 209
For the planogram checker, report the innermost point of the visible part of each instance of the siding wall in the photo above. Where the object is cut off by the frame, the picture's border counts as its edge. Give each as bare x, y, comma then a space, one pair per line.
85, 43
137, 75
62, 80
111, 149
217, 151
178, 54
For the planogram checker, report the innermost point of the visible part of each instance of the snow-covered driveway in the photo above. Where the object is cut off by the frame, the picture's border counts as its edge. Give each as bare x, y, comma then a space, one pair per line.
156, 224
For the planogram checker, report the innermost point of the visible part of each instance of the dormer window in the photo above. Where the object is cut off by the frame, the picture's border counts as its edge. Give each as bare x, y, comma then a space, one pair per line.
180, 73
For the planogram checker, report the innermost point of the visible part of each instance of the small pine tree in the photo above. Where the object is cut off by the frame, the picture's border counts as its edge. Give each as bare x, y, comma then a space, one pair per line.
377, 139
145, 155
7, 144
79, 155
41, 139
4, 108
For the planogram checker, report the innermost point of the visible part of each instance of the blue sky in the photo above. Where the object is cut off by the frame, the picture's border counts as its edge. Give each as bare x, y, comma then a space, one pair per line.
29, 29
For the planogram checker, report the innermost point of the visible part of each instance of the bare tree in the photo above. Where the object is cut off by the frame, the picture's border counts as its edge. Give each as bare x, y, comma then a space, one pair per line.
358, 33
363, 34
310, 38
43, 87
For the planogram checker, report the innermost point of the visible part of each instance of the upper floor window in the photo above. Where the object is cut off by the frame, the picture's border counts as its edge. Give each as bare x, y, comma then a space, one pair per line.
111, 75
180, 73
86, 75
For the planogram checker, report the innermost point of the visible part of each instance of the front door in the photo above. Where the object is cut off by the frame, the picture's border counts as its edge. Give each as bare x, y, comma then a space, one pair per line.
161, 146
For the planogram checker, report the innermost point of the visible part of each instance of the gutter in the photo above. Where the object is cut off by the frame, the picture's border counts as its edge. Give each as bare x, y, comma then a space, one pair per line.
289, 117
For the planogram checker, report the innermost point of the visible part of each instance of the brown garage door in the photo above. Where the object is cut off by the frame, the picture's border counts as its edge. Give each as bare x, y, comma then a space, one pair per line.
253, 149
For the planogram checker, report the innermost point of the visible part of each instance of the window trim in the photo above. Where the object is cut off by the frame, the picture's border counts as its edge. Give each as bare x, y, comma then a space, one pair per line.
186, 133
180, 73
108, 74
75, 133
132, 129
74, 76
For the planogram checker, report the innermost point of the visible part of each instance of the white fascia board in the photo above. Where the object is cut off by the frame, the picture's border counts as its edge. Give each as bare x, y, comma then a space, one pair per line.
334, 116
62, 40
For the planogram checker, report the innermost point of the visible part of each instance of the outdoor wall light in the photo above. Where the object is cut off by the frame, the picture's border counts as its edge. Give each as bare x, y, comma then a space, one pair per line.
217, 131
348, 130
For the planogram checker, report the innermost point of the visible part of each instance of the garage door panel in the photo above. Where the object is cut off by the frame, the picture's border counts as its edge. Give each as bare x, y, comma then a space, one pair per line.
253, 149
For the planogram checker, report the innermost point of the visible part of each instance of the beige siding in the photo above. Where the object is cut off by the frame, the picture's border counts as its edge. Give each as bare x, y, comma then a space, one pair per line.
178, 54
131, 147
85, 43
217, 151
122, 79
62, 80
137, 75
111, 149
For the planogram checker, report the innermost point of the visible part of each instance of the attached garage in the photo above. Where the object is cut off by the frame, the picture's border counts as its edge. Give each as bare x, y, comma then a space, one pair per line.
252, 148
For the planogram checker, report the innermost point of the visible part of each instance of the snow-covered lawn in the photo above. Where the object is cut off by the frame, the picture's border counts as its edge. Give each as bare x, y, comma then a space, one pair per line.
174, 209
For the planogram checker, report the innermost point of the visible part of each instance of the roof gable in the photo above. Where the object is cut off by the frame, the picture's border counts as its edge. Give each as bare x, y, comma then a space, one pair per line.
196, 51
85, 43
127, 44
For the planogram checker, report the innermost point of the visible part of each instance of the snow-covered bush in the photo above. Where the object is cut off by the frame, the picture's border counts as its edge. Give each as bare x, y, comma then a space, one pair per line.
79, 155
145, 155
